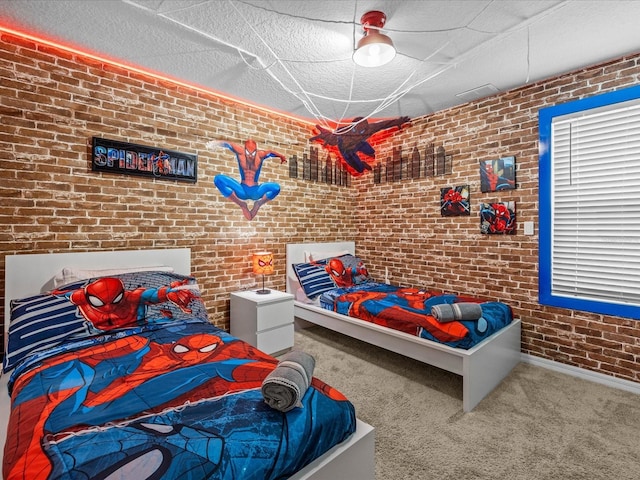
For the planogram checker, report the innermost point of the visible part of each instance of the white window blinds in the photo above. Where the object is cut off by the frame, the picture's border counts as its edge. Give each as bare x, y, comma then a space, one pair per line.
595, 237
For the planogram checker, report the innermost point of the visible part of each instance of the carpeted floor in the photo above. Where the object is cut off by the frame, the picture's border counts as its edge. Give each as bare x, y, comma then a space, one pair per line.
538, 424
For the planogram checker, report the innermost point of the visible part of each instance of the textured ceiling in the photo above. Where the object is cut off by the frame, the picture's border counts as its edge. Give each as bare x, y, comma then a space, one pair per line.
294, 56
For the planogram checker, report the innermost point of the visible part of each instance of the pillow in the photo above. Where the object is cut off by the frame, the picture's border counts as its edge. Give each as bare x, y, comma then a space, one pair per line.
315, 256
71, 274
302, 297
355, 272
317, 277
47, 320
314, 278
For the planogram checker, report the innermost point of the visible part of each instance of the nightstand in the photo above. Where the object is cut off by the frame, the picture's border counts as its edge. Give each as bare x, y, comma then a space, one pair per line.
265, 321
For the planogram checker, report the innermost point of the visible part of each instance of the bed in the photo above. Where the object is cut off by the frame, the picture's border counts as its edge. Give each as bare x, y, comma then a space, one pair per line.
482, 366
201, 419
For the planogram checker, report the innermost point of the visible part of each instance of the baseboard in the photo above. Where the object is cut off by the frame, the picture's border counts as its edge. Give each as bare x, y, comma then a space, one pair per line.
596, 377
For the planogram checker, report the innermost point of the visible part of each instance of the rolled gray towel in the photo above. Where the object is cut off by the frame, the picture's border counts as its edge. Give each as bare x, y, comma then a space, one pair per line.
445, 312
285, 386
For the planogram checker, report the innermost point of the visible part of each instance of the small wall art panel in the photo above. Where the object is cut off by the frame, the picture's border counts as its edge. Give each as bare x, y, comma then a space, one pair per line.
454, 201
498, 218
498, 174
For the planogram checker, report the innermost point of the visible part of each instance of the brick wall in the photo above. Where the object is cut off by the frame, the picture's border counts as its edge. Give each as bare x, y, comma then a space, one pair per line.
51, 105
53, 102
399, 224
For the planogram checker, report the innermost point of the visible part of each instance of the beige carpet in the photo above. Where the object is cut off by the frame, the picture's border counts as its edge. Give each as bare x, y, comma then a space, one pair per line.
538, 424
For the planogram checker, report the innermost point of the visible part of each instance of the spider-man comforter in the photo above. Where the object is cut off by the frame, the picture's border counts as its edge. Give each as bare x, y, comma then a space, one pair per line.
409, 310
159, 398
179, 401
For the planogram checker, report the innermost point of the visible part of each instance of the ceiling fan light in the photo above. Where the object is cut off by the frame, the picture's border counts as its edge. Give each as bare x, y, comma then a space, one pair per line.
374, 50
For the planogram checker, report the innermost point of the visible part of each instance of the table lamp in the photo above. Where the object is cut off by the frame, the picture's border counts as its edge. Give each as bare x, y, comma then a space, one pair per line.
263, 264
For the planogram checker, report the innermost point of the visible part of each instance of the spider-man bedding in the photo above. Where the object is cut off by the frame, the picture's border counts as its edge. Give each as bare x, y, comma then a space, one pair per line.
342, 284
123, 377
409, 310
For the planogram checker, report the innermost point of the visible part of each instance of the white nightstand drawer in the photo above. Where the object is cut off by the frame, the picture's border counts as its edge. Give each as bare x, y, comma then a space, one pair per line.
274, 315
264, 321
275, 340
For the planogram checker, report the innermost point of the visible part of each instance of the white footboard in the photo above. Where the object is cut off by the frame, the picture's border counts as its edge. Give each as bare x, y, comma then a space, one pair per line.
482, 367
354, 459
488, 363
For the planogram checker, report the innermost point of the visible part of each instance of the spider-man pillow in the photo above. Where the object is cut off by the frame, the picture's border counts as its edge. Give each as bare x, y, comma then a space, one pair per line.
98, 305
317, 277
354, 271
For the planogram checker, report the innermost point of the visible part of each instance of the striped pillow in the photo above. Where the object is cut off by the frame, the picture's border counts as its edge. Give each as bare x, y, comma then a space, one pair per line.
38, 323
313, 278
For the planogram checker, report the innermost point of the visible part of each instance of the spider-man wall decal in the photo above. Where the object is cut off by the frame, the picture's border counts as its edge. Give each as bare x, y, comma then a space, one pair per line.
351, 141
250, 159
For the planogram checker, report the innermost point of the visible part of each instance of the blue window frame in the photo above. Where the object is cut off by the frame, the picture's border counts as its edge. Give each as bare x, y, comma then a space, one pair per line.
551, 196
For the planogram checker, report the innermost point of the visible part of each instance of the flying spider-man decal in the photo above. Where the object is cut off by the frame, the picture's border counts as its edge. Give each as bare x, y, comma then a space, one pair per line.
250, 159
351, 141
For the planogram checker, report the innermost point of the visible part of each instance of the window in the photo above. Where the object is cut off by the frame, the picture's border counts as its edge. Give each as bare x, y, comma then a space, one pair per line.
590, 204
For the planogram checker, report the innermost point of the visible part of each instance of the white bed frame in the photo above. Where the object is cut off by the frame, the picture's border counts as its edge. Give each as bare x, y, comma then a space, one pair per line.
482, 367
353, 459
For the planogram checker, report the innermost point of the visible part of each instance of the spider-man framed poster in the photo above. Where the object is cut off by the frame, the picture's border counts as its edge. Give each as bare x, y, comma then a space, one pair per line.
454, 201
498, 174
498, 218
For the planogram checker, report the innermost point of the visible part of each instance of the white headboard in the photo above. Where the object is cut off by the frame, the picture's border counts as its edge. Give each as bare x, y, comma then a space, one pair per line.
26, 274
297, 253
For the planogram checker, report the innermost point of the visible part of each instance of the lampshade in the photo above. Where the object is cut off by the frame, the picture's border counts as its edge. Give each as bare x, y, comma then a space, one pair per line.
263, 263
375, 48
